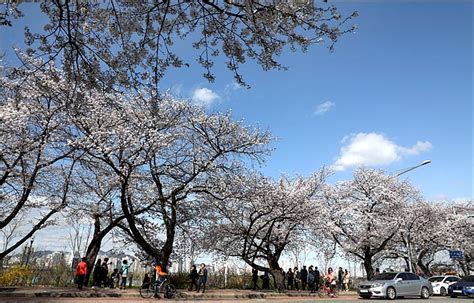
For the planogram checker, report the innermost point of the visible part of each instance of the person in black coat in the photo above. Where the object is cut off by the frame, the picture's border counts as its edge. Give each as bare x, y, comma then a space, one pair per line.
193, 275
340, 276
146, 282
317, 278
104, 273
304, 277
96, 274
290, 277
265, 280
202, 278
254, 278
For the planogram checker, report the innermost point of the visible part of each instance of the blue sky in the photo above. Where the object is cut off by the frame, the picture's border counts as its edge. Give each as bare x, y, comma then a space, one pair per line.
397, 92
405, 77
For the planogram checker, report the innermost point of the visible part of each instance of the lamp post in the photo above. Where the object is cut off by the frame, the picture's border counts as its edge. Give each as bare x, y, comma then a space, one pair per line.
408, 234
412, 168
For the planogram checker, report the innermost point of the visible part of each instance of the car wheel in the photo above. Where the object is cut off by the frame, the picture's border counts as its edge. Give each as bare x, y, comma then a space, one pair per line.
442, 291
391, 293
425, 293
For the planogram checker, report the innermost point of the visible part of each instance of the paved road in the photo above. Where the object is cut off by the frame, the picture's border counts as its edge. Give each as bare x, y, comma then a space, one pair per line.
275, 299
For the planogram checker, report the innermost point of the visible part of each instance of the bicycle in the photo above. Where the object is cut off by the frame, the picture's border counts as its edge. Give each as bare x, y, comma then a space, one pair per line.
327, 291
162, 286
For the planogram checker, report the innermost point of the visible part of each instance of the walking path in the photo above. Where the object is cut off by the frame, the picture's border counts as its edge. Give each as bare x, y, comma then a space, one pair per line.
58, 292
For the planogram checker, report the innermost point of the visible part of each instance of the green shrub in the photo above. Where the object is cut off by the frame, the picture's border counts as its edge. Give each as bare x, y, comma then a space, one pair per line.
180, 280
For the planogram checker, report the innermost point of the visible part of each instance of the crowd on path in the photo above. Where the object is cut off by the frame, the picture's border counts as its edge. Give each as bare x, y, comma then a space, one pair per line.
295, 279
312, 279
100, 274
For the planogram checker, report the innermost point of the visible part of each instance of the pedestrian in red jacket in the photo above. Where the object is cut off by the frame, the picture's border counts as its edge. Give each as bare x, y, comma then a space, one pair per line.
81, 272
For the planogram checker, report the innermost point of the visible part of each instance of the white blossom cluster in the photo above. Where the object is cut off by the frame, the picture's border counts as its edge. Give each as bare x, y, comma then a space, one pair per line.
132, 43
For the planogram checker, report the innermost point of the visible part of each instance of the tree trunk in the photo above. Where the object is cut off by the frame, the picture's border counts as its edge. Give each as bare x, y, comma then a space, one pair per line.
424, 268
133, 230
167, 248
93, 248
275, 271
279, 279
368, 267
464, 267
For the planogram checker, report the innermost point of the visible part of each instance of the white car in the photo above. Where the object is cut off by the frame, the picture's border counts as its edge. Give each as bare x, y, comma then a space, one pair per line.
441, 284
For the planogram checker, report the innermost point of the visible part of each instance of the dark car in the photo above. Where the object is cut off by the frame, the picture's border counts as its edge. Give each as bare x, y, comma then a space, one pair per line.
464, 287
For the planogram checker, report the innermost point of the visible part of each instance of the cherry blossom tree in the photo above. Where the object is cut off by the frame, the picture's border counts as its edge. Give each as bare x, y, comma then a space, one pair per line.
98, 205
132, 43
366, 213
460, 221
36, 160
255, 218
424, 233
160, 153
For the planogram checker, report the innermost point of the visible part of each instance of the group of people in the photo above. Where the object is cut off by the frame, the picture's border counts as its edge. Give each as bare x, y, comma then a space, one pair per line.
305, 279
311, 279
100, 274
265, 279
198, 279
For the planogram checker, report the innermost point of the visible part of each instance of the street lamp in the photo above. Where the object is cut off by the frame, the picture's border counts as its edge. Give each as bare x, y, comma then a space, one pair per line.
408, 234
412, 168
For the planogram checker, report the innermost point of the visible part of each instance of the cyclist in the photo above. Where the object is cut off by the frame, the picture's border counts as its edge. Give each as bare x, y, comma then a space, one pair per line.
160, 273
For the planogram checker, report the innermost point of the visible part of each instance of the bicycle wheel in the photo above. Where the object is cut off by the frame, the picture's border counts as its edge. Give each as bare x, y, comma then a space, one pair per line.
147, 291
321, 292
170, 291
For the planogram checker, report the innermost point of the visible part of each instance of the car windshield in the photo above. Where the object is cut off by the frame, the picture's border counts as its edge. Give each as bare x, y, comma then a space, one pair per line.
436, 279
468, 279
384, 276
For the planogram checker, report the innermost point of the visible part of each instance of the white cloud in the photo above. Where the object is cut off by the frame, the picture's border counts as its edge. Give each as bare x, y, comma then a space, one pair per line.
233, 86
372, 149
204, 96
324, 107
416, 149
177, 89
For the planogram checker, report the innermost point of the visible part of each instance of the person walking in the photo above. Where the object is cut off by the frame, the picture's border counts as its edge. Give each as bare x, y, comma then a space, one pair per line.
81, 272
290, 277
124, 273
340, 277
311, 279
304, 277
202, 278
254, 278
96, 277
193, 275
265, 280
317, 278
104, 273
146, 282
346, 280
296, 272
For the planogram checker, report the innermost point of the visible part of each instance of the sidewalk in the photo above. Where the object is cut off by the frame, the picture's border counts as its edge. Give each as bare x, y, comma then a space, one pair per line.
58, 292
